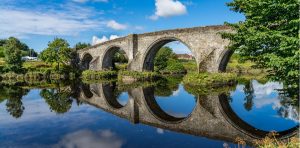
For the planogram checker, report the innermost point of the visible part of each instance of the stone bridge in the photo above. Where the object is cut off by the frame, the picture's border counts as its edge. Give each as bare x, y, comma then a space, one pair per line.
212, 116
205, 43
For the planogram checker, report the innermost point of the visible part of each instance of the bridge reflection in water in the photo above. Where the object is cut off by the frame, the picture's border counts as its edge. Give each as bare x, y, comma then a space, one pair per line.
212, 116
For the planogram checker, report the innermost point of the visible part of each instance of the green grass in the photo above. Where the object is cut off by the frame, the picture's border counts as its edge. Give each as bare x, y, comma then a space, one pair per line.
98, 75
36, 64
210, 79
137, 76
189, 65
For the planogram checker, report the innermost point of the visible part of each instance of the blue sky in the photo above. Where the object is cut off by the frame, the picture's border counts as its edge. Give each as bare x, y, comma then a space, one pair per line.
38, 22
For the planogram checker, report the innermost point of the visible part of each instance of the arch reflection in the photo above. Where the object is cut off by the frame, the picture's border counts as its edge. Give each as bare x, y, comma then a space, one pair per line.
247, 128
113, 96
172, 108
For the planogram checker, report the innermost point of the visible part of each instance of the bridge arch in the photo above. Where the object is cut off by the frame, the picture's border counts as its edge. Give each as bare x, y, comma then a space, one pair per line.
151, 51
108, 56
86, 61
224, 59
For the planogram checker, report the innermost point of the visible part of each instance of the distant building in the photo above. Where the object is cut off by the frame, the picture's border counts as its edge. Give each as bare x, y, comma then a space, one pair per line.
184, 56
28, 58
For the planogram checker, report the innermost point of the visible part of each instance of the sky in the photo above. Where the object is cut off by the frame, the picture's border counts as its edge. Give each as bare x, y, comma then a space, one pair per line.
37, 22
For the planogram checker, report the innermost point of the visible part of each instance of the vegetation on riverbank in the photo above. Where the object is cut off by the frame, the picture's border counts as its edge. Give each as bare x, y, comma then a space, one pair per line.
210, 79
270, 141
132, 76
98, 75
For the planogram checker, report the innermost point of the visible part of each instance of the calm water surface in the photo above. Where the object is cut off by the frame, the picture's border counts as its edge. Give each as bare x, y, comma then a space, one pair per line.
165, 115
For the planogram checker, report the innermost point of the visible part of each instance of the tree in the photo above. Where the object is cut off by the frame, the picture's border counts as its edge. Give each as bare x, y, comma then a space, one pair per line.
57, 51
80, 45
162, 56
13, 55
25, 50
269, 37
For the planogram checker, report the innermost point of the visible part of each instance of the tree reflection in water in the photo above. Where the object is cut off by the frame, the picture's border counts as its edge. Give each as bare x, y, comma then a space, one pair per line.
249, 92
59, 100
13, 95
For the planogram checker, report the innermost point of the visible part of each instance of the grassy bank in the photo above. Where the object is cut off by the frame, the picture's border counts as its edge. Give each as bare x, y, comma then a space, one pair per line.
132, 76
98, 75
210, 79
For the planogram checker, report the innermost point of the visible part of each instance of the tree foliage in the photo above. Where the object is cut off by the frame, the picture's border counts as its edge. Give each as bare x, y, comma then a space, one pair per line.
81, 45
162, 56
13, 55
120, 57
25, 50
58, 51
269, 36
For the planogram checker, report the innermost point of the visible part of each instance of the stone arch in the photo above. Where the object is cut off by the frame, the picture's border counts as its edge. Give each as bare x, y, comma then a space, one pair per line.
157, 111
107, 59
224, 59
148, 58
246, 128
86, 61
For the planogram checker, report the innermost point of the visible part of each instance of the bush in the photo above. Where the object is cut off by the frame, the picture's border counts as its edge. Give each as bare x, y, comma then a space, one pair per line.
210, 79
173, 67
96, 75
137, 76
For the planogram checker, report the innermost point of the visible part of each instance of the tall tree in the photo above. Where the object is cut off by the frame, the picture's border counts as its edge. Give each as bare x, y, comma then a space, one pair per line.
57, 51
269, 36
13, 55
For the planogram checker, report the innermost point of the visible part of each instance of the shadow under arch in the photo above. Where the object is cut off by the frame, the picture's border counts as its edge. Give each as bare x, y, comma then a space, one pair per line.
157, 111
107, 60
224, 59
86, 60
110, 95
148, 59
246, 128
86, 91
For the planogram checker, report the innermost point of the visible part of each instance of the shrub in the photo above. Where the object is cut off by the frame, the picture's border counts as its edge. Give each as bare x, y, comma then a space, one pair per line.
137, 76
173, 67
210, 79
91, 74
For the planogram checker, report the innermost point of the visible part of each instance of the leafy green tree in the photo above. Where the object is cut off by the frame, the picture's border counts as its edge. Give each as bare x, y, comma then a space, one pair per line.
120, 57
13, 55
58, 51
25, 50
269, 36
81, 45
162, 56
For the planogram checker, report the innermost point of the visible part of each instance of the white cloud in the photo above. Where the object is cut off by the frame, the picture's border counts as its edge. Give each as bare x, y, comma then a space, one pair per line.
167, 8
113, 37
84, 138
160, 131
84, 1
21, 22
96, 40
115, 25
